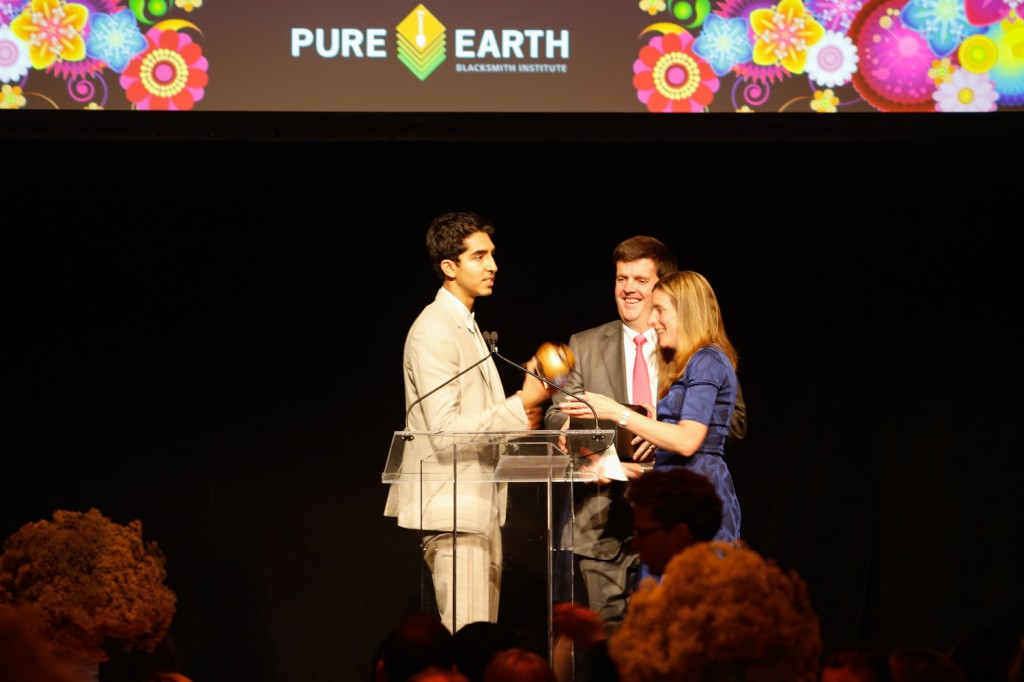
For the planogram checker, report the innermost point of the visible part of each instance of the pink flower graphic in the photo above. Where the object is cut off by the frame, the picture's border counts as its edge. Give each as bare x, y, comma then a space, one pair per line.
170, 74
894, 59
670, 78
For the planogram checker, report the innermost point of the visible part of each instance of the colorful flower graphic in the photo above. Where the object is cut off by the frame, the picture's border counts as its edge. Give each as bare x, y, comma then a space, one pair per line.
940, 71
188, 5
978, 54
986, 12
652, 7
749, 71
171, 74
87, 67
966, 91
115, 39
784, 33
894, 59
14, 60
10, 9
723, 43
11, 97
832, 60
54, 31
1008, 71
942, 23
690, 13
670, 78
835, 15
824, 101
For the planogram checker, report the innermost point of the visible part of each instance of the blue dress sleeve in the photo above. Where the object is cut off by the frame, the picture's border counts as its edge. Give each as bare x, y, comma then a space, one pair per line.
707, 378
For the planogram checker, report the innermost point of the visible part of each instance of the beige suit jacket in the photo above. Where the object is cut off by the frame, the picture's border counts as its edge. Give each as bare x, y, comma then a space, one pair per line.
440, 344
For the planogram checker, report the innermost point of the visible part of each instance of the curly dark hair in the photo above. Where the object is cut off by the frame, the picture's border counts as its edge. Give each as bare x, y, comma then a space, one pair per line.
677, 495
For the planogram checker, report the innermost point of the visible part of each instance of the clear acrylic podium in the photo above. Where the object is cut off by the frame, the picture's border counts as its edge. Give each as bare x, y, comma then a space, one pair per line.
526, 477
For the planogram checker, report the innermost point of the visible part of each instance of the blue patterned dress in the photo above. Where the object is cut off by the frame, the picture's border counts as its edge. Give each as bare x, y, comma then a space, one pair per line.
706, 393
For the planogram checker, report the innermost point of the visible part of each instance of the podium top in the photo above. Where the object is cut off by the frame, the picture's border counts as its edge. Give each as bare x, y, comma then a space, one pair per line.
494, 456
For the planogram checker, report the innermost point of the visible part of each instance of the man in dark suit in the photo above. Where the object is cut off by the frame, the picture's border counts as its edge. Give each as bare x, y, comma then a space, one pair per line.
606, 362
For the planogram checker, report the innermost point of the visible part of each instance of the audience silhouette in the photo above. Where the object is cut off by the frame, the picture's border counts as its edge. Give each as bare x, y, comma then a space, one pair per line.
416, 643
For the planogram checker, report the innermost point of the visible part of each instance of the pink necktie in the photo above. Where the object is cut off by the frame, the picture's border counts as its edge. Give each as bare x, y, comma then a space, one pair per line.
641, 379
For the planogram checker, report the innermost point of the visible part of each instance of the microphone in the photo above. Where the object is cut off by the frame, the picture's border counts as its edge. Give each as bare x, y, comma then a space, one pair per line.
491, 339
492, 342
408, 436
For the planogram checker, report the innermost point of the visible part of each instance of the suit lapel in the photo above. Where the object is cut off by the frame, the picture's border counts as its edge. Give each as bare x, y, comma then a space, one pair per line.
615, 363
487, 368
468, 347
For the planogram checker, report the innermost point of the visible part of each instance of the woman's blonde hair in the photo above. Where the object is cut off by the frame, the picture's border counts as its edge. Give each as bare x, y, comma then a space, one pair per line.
700, 324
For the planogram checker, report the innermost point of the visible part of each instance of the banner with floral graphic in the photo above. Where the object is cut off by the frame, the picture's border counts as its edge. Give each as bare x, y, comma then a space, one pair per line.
659, 56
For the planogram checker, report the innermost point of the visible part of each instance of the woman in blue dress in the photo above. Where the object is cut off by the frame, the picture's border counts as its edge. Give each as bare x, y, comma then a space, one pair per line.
696, 389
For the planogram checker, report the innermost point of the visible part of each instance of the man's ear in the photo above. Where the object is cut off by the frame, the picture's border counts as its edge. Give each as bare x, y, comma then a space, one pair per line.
449, 268
684, 538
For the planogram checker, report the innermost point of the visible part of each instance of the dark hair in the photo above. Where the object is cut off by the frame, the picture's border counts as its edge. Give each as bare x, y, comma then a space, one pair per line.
639, 247
922, 664
677, 495
417, 641
447, 234
984, 654
477, 642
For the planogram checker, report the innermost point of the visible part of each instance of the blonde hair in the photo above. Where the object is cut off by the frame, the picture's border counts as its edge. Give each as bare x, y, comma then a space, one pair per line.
700, 324
722, 612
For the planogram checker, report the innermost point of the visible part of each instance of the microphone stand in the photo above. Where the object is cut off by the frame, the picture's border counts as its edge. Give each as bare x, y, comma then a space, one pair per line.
408, 436
492, 342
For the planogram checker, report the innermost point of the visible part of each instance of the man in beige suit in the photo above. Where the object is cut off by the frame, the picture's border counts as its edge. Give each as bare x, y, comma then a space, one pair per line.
444, 341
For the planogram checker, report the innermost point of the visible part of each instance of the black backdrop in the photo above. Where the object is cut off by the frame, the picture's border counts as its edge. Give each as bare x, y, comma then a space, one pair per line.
206, 335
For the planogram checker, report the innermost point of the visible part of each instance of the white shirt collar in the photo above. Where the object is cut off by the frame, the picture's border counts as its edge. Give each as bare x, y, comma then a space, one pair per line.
460, 308
649, 334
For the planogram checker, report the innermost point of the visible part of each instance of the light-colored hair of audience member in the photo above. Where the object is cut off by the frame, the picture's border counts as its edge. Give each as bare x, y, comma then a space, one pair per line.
518, 665
721, 613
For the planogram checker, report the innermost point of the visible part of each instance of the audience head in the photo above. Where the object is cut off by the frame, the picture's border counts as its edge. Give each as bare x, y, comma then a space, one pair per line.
856, 663
1017, 664
159, 665
476, 643
417, 641
721, 613
984, 655
921, 664
439, 675
518, 665
25, 654
672, 509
